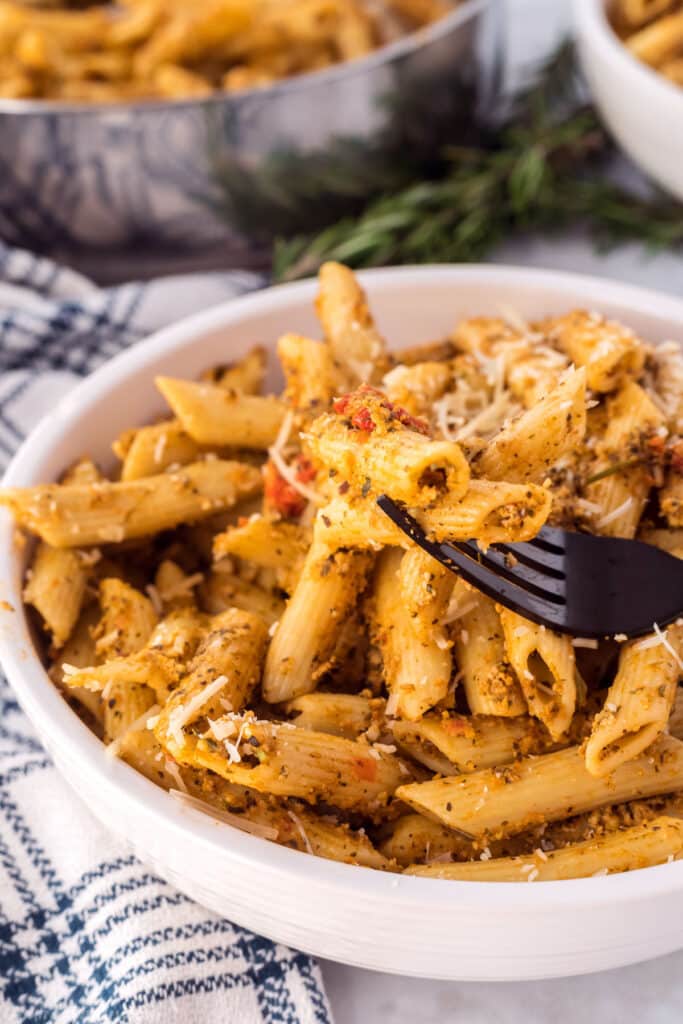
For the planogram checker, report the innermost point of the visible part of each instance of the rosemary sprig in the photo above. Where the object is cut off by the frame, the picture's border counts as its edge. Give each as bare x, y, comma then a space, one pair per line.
544, 167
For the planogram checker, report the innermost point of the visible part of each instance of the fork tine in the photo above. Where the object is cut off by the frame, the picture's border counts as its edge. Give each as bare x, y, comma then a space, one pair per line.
549, 539
510, 594
536, 558
531, 606
552, 588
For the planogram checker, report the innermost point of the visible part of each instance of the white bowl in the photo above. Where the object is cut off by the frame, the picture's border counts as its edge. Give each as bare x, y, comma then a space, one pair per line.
643, 109
427, 927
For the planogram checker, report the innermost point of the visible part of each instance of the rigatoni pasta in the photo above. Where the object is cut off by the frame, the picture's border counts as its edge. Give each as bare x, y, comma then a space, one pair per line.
233, 615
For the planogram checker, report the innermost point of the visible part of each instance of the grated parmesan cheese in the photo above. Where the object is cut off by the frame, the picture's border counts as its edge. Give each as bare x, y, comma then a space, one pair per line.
456, 610
181, 715
660, 637
233, 749
173, 770
180, 588
615, 513
154, 597
392, 704
222, 729
91, 557
159, 447
591, 507
297, 821
585, 641
275, 453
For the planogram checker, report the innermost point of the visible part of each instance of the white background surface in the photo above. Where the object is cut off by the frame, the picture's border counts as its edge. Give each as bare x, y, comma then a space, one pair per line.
650, 993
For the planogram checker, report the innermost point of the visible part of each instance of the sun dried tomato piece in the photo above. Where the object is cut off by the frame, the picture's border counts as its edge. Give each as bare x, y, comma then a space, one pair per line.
410, 421
280, 493
362, 420
340, 405
365, 769
304, 469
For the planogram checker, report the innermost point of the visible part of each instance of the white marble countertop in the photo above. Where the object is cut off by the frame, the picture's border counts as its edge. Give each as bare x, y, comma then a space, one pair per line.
650, 993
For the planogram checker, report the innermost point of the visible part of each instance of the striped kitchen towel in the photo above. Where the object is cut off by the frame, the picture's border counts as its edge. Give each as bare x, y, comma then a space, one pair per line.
87, 933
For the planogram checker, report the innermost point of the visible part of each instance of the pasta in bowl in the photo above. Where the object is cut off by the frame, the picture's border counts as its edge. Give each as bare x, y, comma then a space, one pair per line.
231, 614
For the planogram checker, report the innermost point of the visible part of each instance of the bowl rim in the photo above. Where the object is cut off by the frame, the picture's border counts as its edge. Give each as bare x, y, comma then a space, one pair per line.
44, 705
407, 44
591, 20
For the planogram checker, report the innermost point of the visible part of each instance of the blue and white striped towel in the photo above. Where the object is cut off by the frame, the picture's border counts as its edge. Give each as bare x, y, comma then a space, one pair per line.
87, 933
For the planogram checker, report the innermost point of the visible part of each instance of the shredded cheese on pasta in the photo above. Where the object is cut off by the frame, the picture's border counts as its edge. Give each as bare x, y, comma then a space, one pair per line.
181, 715
300, 828
284, 469
615, 513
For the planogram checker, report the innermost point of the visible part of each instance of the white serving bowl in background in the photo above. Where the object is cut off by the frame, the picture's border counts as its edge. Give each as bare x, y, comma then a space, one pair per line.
642, 108
416, 926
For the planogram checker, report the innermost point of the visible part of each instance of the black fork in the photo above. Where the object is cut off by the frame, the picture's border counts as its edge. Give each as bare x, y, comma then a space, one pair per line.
572, 582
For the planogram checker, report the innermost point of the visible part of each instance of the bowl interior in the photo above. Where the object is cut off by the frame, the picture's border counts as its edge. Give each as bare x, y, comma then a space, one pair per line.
411, 305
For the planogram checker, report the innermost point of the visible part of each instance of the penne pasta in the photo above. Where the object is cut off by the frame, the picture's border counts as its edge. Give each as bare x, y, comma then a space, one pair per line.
303, 646
214, 416
271, 543
245, 375
221, 591
490, 513
621, 493
341, 714
376, 449
503, 801
414, 838
639, 701
458, 744
529, 446
545, 666
416, 666
488, 678
356, 344
76, 515
260, 639
671, 500
656, 842
610, 352
292, 762
151, 450
312, 379
56, 588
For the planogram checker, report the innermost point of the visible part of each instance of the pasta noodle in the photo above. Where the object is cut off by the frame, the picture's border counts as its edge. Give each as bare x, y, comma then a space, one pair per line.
232, 613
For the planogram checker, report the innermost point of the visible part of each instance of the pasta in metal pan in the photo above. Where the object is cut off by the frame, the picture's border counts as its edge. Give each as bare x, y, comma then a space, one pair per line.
169, 49
233, 615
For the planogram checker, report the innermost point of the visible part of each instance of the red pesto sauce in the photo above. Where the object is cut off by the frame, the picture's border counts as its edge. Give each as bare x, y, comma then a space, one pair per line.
280, 493
361, 417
